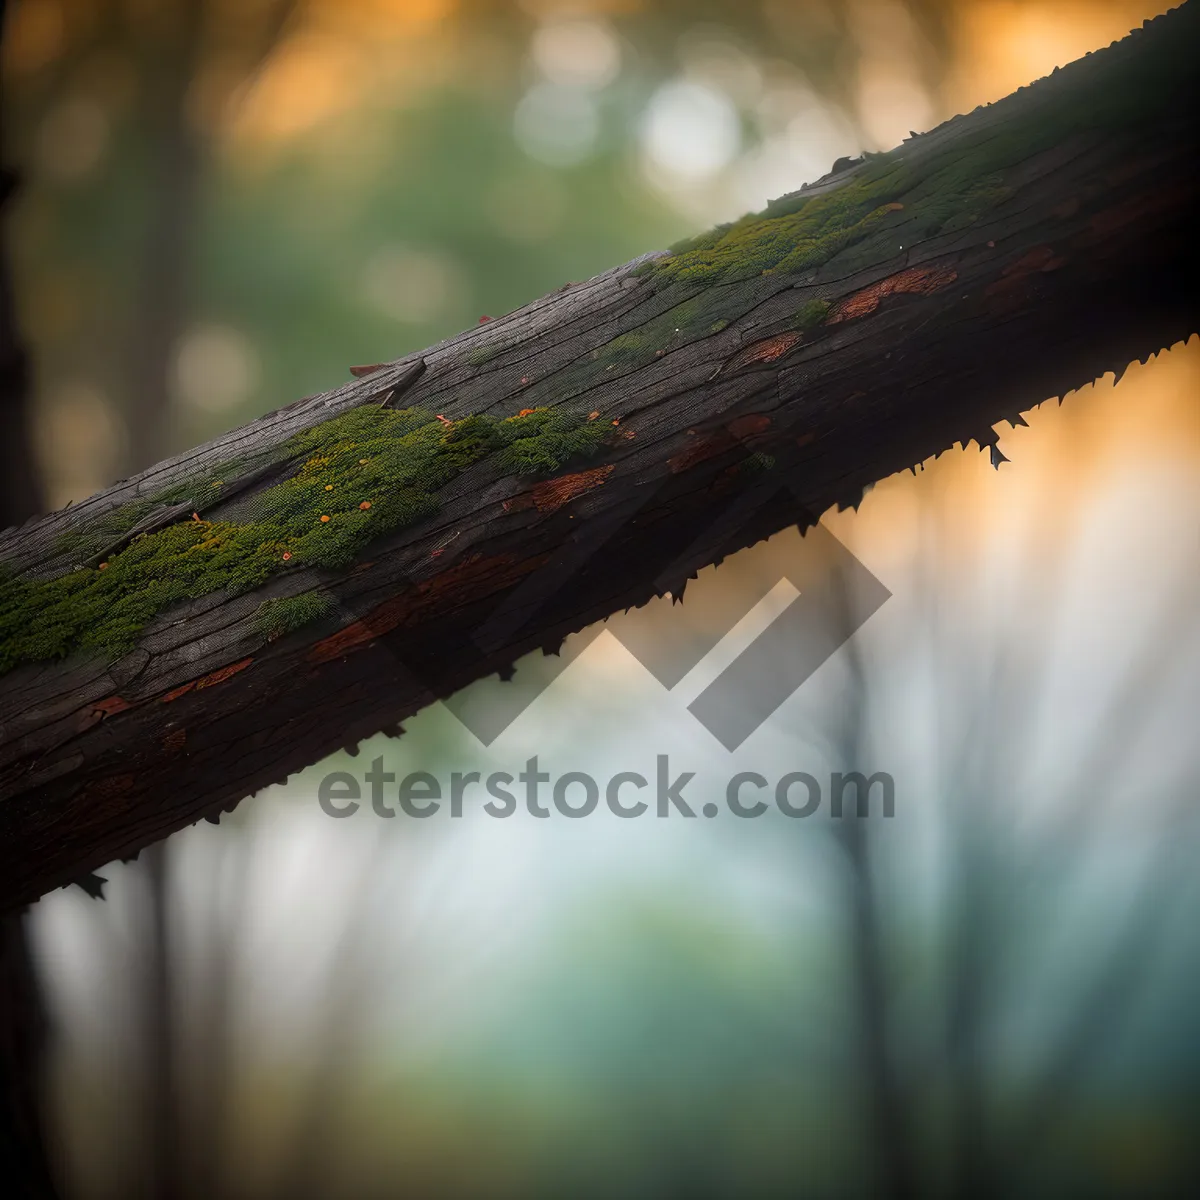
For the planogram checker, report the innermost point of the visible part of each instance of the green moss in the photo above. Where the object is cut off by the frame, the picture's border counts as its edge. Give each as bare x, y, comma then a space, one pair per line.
976, 200
943, 192
545, 440
96, 533
45, 619
783, 242
360, 475
756, 464
285, 614
810, 315
203, 490
695, 315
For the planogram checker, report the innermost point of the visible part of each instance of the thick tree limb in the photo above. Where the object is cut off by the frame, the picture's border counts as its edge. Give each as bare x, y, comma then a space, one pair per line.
1024, 250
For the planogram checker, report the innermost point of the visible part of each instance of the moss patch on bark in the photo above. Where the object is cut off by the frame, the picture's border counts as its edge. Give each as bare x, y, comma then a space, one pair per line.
359, 475
947, 189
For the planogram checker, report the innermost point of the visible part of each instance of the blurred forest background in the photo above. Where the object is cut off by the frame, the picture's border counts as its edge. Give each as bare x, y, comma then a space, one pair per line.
224, 204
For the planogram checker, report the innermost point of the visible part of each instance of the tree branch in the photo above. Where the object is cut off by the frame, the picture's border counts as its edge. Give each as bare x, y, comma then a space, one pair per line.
743, 384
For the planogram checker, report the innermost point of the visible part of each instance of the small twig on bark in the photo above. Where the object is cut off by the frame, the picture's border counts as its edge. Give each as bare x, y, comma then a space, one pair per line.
410, 376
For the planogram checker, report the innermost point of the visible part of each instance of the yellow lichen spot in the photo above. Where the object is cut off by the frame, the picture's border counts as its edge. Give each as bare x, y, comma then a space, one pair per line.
329, 487
362, 462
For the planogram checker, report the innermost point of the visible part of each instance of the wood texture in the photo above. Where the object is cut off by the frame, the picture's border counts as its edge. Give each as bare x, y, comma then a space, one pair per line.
723, 437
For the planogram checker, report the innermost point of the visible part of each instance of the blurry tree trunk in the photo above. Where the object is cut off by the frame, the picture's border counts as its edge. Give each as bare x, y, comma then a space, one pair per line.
176, 157
20, 491
973, 1172
722, 431
890, 1138
164, 1127
176, 154
24, 1168
888, 1133
20, 487
24, 1164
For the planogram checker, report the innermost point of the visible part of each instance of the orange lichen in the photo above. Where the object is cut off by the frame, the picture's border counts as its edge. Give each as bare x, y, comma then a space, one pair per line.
223, 674
380, 620
550, 496
768, 350
916, 281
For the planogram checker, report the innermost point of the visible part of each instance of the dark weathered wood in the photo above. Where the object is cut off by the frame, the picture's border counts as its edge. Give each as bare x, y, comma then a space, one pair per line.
402, 385
723, 436
157, 520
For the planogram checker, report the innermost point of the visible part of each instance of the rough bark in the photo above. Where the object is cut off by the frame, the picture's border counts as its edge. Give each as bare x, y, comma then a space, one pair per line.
1080, 259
